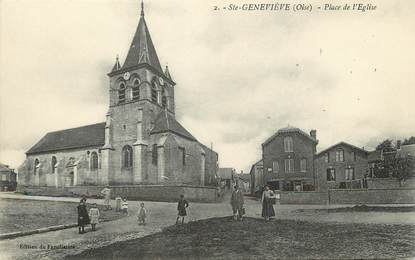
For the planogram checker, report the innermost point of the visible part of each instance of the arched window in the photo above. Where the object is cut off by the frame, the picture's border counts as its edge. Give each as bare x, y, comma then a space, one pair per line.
94, 161
288, 144
127, 157
154, 92
53, 164
36, 167
154, 154
136, 89
121, 93
164, 98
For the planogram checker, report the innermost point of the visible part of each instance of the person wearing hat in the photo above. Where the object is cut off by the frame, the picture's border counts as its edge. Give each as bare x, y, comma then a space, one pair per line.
83, 218
237, 203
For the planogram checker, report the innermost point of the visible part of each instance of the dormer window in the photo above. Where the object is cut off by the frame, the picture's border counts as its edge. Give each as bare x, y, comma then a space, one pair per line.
136, 89
121, 93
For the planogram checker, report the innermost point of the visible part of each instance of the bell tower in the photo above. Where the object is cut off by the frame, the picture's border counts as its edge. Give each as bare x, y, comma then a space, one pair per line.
139, 90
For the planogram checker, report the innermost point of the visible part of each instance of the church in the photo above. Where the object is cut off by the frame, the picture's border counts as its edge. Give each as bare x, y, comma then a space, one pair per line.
140, 143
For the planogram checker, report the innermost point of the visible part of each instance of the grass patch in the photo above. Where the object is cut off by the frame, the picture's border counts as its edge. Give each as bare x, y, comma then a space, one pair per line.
20, 215
223, 238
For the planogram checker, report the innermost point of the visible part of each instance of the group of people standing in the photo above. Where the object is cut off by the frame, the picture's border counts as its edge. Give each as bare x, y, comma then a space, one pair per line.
268, 200
85, 218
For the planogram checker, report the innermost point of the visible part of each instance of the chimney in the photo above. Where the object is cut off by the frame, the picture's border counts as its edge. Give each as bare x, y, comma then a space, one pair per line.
398, 144
313, 134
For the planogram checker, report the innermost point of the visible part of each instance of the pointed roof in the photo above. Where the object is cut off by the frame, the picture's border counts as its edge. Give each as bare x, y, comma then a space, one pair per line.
343, 144
142, 49
165, 122
117, 65
79, 137
290, 129
167, 73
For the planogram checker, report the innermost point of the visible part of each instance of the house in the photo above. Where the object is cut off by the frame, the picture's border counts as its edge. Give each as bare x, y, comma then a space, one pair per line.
8, 178
288, 160
257, 177
141, 141
243, 180
341, 166
226, 177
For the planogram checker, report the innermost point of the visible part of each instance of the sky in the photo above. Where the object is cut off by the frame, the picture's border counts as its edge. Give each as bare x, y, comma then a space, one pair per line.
240, 75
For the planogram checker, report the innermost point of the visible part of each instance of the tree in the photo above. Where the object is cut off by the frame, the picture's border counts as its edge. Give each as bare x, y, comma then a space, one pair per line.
386, 146
410, 140
403, 168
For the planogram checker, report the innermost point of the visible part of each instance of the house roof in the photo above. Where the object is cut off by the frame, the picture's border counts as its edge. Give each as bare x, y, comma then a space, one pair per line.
225, 173
142, 49
290, 129
343, 143
4, 168
84, 136
260, 162
165, 122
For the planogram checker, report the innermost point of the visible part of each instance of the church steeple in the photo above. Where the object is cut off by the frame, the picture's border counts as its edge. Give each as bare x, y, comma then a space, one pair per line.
142, 49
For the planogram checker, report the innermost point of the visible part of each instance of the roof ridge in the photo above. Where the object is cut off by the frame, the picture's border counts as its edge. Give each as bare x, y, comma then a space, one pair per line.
74, 128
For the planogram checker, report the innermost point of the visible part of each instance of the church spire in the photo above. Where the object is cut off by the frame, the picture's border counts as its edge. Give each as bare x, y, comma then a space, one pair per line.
142, 49
142, 8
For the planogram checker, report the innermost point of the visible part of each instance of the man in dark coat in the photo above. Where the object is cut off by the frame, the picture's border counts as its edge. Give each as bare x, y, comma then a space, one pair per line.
237, 203
83, 217
181, 208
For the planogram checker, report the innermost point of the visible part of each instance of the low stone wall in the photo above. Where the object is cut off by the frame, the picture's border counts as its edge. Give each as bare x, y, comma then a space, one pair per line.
375, 196
132, 192
390, 183
307, 197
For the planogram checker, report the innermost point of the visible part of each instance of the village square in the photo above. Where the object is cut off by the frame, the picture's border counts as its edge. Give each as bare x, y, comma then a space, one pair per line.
139, 183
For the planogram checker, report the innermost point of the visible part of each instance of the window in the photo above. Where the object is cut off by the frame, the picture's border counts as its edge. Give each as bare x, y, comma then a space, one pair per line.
53, 164
327, 157
36, 168
303, 165
289, 165
121, 93
354, 156
275, 167
136, 89
288, 144
164, 98
127, 157
94, 161
340, 155
154, 92
349, 174
154, 154
4, 177
183, 155
331, 174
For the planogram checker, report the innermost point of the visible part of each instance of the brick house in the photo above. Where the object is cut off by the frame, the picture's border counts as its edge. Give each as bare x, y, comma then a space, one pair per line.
8, 180
141, 141
341, 166
288, 160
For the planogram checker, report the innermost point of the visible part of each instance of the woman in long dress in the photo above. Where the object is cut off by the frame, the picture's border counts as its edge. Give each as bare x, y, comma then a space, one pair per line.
267, 205
83, 218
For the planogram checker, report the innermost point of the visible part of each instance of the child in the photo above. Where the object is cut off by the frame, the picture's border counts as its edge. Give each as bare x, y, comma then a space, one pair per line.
124, 206
83, 218
118, 200
181, 208
142, 214
94, 216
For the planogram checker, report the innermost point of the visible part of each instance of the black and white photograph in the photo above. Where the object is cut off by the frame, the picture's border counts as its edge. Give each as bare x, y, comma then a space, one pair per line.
225, 129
